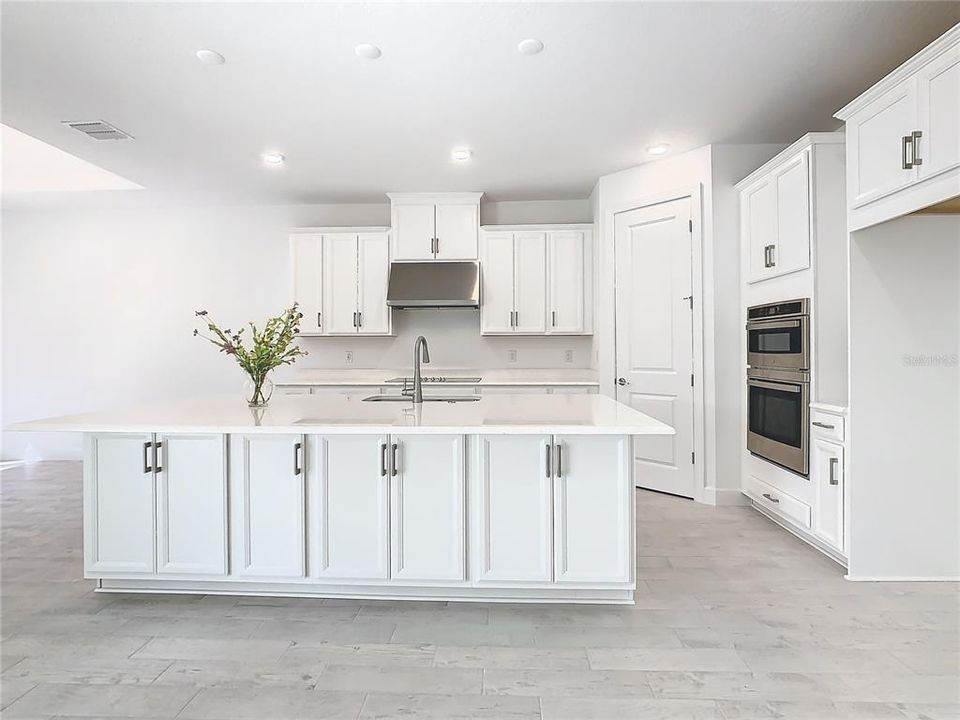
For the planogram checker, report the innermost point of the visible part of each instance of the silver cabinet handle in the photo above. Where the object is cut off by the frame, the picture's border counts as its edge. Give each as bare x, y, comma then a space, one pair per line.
383, 459
559, 459
297, 469
436, 242
319, 324
834, 463
553, 318
905, 163
818, 424
915, 147
146, 463
547, 459
359, 319
772, 499
157, 467
393, 461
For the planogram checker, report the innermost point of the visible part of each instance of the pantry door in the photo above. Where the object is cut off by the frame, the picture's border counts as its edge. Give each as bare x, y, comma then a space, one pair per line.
654, 336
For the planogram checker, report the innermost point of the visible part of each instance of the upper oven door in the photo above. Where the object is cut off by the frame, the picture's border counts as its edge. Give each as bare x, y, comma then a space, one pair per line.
778, 344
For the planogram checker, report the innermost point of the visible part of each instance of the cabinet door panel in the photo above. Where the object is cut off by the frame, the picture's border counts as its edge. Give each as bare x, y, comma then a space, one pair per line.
373, 260
267, 506
119, 497
939, 105
351, 508
413, 231
192, 504
340, 279
759, 210
457, 228
593, 506
427, 508
827, 466
530, 282
792, 251
306, 260
513, 501
496, 291
566, 253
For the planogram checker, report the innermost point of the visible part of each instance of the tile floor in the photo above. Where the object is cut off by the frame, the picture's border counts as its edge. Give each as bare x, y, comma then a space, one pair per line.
734, 619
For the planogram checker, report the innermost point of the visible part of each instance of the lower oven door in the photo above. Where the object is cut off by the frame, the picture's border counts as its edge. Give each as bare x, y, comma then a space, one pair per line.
777, 413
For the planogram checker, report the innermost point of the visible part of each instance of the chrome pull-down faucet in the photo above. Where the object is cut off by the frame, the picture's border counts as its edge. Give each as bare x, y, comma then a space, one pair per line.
420, 350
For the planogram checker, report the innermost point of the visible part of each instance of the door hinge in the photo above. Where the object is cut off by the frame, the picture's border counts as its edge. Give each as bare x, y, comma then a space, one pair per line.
690, 225
691, 379
693, 458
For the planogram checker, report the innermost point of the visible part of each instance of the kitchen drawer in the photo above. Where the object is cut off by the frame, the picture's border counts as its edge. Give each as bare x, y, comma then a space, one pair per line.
826, 425
778, 501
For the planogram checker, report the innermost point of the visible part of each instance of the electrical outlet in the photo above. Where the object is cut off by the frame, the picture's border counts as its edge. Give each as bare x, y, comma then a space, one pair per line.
568, 356
511, 356
348, 357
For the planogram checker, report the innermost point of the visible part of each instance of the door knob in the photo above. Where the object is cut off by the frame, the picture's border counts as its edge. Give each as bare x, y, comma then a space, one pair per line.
622, 381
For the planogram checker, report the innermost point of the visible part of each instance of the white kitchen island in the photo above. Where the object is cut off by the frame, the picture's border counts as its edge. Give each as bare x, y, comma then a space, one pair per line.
509, 498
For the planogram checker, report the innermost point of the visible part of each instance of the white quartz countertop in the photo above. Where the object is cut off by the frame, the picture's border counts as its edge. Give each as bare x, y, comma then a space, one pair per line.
375, 378
343, 414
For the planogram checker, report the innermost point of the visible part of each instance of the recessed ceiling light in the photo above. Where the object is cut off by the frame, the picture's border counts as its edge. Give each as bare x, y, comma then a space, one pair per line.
461, 154
210, 57
530, 46
272, 158
368, 51
660, 149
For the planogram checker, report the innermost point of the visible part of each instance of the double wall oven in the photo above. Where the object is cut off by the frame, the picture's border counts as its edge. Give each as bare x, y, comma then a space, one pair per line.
778, 383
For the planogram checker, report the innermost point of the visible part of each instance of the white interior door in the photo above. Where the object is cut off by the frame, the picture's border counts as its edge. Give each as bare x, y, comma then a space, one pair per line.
306, 255
413, 231
340, 279
373, 261
566, 259
457, 227
654, 334
530, 282
496, 290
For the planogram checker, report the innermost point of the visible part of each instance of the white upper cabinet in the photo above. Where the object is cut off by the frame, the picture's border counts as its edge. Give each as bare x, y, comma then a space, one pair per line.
435, 226
903, 137
340, 282
306, 280
373, 272
536, 280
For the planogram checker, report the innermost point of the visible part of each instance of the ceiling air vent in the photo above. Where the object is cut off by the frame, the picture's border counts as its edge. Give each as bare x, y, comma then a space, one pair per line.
99, 130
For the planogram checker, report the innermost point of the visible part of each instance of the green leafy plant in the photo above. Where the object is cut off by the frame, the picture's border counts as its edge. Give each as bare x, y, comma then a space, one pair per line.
272, 346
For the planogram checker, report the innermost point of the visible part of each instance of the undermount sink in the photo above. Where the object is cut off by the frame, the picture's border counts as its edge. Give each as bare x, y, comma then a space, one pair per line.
437, 398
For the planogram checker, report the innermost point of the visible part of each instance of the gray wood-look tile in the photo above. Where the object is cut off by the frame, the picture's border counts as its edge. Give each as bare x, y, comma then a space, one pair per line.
567, 683
406, 680
259, 703
665, 659
518, 658
555, 708
141, 701
449, 707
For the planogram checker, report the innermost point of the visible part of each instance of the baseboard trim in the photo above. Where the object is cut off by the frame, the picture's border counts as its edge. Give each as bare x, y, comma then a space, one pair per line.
902, 578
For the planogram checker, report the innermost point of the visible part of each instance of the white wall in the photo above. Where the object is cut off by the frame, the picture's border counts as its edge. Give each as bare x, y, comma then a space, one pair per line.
97, 306
903, 466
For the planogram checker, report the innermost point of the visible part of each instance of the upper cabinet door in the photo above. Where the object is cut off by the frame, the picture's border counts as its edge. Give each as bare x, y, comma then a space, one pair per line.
373, 262
792, 181
340, 277
496, 288
875, 145
758, 206
192, 504
119, 500
939, 105
566, 254
457, 226
530, 282
413, 231
306, 266
427, 508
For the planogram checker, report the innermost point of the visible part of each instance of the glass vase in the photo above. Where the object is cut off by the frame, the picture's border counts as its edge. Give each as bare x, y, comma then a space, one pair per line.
258, 391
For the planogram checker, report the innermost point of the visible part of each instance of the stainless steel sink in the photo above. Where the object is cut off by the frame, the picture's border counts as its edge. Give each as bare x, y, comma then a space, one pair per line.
436, 398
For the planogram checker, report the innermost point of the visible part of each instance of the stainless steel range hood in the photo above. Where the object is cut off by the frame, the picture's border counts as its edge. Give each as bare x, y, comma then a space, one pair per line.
434, 285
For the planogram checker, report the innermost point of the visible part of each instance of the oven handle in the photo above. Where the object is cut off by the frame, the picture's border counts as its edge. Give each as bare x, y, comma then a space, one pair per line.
775, 386
774, 325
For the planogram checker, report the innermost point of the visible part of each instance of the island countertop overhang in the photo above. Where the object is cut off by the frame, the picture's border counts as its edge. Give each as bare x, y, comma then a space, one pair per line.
348, 414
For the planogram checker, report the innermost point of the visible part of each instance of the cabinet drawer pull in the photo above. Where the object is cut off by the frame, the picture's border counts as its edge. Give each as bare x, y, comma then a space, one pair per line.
297, 469
146, 462
393, 461
770, 497
825, 426
383, 459
915, 147
157, 466
834, 463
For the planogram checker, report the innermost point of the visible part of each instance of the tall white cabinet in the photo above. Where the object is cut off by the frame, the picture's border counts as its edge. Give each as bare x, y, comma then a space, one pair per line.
435, 226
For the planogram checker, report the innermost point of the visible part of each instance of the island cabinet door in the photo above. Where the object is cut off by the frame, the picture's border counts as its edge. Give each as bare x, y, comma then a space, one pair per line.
267, 506
512, 494
191, 504
593, 509
119, 497
427, 522
350, 507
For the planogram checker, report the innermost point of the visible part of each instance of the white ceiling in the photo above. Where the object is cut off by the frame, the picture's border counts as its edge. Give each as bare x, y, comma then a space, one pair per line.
613, 79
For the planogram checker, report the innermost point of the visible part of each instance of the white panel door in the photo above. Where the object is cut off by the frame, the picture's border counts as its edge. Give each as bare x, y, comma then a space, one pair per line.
530, 282
306, 276
192, 504
593, 509
119, 497
351, 510
413, 231
457, 227
496, 290
513, 500
826, 465
565, 277
267, 508
938, 95
373, 261
340, 279
758, 208
654, 336
792, 181
875, 150
427, 523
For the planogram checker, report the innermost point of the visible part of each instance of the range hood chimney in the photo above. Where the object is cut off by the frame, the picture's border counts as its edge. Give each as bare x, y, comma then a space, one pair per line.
434, 284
